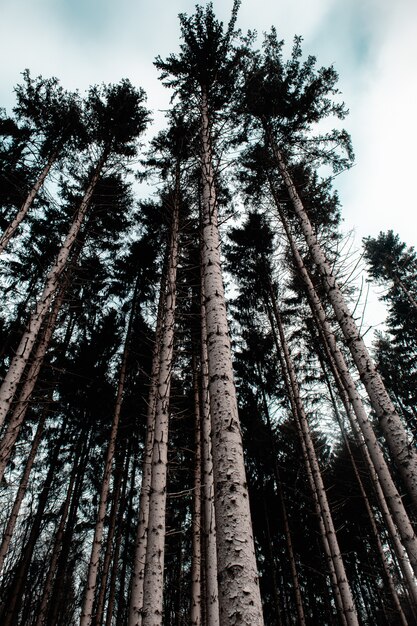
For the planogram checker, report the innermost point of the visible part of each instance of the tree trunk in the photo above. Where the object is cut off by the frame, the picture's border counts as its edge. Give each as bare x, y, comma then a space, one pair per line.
19, 361
342, 586
12, 227
136, 597
239, 596
392, 496
385, 566
195, 617
11, 524
86, 615
209, 521
109, 544
287, 530
397, 438
47, 587
153, 583
17, 589
22, 403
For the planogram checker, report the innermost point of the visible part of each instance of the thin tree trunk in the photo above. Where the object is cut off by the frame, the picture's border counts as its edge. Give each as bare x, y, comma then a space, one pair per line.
18, 586
392, 496
386, 570
209, 521
87, 611
47, 587
348, 607
109, 545
58, 596
400, 550
394, 431
287, 530
19, 361
12, 227
11, 524
22, 403
153, 583
195, 617
136, 595
239, 595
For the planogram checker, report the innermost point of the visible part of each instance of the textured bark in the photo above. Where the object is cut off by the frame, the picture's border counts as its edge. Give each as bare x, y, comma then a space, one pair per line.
343, 594
19, 361
11, 524
86, 615
390, 491
153, 583
402, 450
209, 521
385, 566
22, 403
122, 523
239, 596
136, 595
19, 217
195, 614
98, 619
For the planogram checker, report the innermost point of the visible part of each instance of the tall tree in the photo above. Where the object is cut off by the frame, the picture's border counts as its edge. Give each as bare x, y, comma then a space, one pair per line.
205, 71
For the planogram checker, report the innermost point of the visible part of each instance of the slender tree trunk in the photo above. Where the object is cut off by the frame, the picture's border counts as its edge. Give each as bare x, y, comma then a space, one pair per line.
19, 361
11, 524
47, 587
394, 431
342, 584
385, 566
109, 545
136, 596
209, 521
22, 403
287, 530
18, 586
120, 527
12, 227
390, 491
153, 583
58, 595
195, 617
239, 596
87, 611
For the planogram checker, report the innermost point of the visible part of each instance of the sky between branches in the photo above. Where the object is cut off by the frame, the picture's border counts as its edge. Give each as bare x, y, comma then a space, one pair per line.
372, 44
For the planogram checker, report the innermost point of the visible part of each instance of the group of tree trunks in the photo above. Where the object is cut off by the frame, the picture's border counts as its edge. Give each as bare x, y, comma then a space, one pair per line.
167, 457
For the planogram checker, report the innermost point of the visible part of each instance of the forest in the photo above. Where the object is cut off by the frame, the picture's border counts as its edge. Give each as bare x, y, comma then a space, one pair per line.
193, 428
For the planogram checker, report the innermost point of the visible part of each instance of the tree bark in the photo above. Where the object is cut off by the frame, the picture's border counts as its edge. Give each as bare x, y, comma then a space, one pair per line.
136, 597
239, 596
19, 217
19, 361
390, 491
342, 588
153, 584
86, 615
209, 521
394, 431
195, 614
22, 403
11, 524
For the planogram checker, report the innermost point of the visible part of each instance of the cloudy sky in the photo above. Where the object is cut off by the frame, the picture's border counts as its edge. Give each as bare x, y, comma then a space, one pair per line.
372, 44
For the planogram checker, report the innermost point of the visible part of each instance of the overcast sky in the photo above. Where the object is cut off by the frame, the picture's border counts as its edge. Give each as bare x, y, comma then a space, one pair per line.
372, 44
